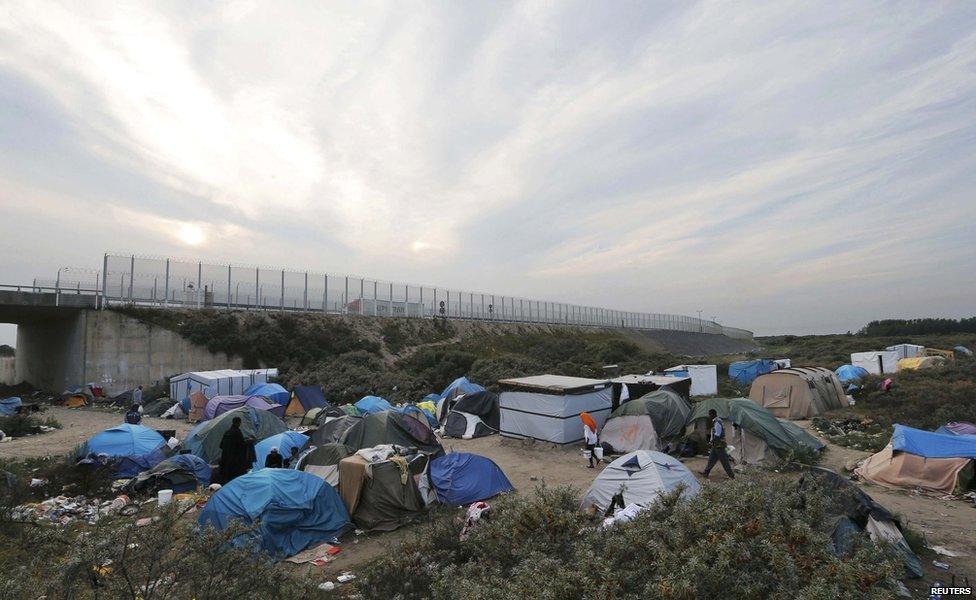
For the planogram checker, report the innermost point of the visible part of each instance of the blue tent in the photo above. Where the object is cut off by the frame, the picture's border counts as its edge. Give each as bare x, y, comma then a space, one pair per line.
459, 386
284, 442
745, 372
369, 405
271, 391
310, 396
963, 350
195, 464
848, 373
932, 445
461, 478
123, 440
128, 467
9, 406
293, 510
185, 405
420, 413
431, 398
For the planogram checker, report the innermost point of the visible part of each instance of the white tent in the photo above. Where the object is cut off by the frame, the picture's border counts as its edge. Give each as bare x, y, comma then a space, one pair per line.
906, 350
225, 382
641, 476
704, 378
876, 363
783, 363
547, 407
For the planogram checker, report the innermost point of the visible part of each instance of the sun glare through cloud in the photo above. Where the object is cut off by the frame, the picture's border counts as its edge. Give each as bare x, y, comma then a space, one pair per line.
191, 235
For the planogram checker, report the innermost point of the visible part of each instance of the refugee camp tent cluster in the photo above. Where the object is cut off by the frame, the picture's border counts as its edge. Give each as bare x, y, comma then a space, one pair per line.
936, 461
226, 382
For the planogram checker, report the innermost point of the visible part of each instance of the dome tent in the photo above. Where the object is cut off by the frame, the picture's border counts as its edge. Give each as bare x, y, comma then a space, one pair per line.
392, 427
333, 429
471, 415
644, 423
460, 478
123, 440
850, 373
304, 399
323, 461
368, 405
642, 477
179, 473
283, 441
799, 392
218, 405
272, 391
292, 510
459, 387
204, 439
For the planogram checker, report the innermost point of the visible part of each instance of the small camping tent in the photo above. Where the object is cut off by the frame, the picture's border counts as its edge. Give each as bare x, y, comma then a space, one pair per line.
876, 363
629, 387
323, 461
204, 439
10, 406
157, 407
645, 423
799, 393
921, 362
284, 442
963, 350
745, 371
459, 387
179, 473
545, 407
305, 398
123, 440
850, 373
384, 494
272, 391
291, 510
392, 427
368, 405
333, 429
936, 462
471, 415
704, 378
641, 477
460, 478
218, 405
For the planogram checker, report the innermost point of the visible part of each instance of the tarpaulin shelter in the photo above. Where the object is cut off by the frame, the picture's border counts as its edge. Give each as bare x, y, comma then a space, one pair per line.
936, 462
157, 407
392, 427
641, 477
77, 397
218, 405
629, 387
460, 478
876, 363
958, 428
704, 378
291, 511
333, 429
758, 437
471, 415
369, 405
647, 422
382, 495
744, 372
850, 373
906, 350
963, 350
305, 398
226, 382
323, 461
127, 467
547, 407
460, 386
284, 442
272, 391
920, 362
204, 439
123, 440
799, 392
10, 406
179, 473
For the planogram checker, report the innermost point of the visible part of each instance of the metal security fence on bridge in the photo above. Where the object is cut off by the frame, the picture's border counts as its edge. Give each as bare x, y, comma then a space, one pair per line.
167, 282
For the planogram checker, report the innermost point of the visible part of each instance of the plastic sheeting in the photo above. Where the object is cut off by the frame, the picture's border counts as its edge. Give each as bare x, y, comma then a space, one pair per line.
642, 476
292, 510
10, 406
271, 391
460, 478
218, 405
849, 373
904, 470
744, 372
930, 444
779, 435
179, 473
957, 428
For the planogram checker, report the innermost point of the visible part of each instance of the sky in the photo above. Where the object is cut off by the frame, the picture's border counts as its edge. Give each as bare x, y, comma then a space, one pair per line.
786, 167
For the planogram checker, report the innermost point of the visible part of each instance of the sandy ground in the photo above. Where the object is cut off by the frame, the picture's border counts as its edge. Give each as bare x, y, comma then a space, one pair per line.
951, 523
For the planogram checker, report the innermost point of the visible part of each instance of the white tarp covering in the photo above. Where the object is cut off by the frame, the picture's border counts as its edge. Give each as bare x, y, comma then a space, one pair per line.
783, 363
551, 417
225, 382
876, 363
906, 350
704, 378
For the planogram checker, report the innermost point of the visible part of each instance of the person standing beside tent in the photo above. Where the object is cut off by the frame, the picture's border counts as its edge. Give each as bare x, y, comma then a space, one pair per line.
137, 396
233, 452
717, 443
589, 435
274, 459
134, 416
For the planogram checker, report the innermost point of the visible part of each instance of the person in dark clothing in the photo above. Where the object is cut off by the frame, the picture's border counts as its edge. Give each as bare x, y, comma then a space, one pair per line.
133, 416
293, 458
233, 452
717, 441
274, 460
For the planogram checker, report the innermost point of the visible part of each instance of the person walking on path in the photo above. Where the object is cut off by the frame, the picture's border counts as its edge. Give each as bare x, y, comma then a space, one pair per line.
717, 442
137, 396
589, 435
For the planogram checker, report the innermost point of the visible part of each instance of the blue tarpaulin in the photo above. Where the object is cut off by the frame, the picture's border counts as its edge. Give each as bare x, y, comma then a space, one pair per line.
745, 372
199, 467
128, 467
933, 445
293, 510
461, 478
9, 406
849, 373
123, 440
459, 386
310, 396
271, 391
369, 405
284, 442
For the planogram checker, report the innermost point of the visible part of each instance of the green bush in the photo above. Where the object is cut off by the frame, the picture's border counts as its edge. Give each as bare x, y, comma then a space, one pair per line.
23, 423
751, 537
924, 398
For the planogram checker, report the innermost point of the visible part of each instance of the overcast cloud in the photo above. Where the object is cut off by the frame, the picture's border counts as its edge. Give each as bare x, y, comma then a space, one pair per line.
784, 166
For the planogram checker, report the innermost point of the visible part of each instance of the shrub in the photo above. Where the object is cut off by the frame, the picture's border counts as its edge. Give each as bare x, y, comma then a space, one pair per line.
21, 424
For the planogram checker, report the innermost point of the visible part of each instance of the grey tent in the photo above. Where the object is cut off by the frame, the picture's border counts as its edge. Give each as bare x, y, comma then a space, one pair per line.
384, 495
323, 461
391, 427
332, 429
157, 407
204, 439
641, 476
651, 422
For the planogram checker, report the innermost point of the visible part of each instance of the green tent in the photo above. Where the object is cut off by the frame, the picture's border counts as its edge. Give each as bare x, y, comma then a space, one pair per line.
388, 500
323, 461
157, 407
390, 427
780, 435
204, 439
650, 422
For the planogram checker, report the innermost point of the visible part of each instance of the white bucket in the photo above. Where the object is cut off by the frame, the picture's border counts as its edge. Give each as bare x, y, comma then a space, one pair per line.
164, 497
598, 452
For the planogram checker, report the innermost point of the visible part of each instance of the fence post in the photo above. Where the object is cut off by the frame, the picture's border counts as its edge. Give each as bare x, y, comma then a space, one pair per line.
376, 302
325, 293
421, 315
228, 285
132, 271
257, 286
105, 278
305, 294
362, 296
345, 297
391, 299
281, 304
